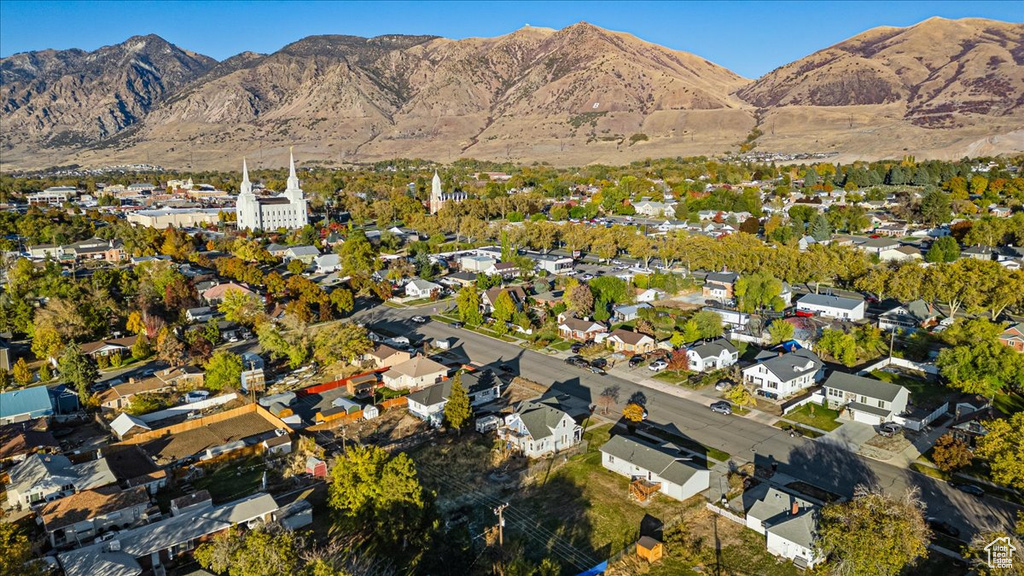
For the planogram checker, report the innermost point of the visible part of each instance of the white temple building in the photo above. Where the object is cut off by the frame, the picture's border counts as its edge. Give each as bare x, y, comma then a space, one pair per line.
286, 211
438, 198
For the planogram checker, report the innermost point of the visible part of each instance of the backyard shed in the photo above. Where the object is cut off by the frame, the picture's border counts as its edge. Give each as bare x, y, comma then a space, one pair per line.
316, 467
649, 549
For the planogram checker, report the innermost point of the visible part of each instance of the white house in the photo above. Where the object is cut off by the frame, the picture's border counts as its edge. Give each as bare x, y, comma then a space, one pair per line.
552, 263
419, 288
415, 373
628, 312
789, 524
713, 355
304, 254
909, 318
865, 400
84, 515
476, 263
46, 477
680, 477
327, 263
832, 306
650, 295
428, 404
783, 375
536, 430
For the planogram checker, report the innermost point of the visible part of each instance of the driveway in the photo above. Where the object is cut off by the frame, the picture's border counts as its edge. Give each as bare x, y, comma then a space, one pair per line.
850, 436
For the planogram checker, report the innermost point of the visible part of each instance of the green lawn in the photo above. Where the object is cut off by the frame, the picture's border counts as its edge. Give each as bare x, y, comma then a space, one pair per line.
922, 392
821, 417
561, 345
689, 444
807, 432
673, 377
1009, 403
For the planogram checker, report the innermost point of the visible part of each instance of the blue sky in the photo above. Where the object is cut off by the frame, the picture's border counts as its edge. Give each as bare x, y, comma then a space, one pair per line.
750, 38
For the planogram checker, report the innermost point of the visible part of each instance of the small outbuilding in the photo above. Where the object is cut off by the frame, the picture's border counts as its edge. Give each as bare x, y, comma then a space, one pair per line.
649, 549
316, 467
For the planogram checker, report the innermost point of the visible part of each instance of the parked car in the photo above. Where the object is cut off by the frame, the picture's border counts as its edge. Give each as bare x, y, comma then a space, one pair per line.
457, 324
581, 363
635, 361
942, 527
658, 366
723, 385
419, 319
599, 363
722, 407
573, 359
575, 348
889, 429
969, 489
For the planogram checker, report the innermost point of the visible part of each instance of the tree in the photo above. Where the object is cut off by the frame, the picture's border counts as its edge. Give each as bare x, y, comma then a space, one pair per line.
950, 454
141, 349
255, 553
758, 291
467, 301
223, 370
342, 301
16, 552
341, 342
850, 532
1003, 447
608, 398
457, 410
45, 372
944, 249
379, 495
820, 229
983, 367
580, 299
135, 324
241, 307
709, 324
5, 380
504, 307
22, 375
633, 412
171, 350
740, 396
691, 331
296, 266
840, 345
77, 371
780, 331
936, 208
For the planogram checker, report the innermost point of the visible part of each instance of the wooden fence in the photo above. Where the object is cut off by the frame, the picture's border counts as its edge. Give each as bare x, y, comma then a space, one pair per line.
341, 419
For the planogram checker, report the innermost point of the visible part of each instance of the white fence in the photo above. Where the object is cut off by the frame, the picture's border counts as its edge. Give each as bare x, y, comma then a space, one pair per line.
918, 423
726, 514
817, 398
186, 408
926, 367
745, 337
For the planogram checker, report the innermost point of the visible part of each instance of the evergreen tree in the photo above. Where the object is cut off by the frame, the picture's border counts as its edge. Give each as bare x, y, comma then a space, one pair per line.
77, 370
820, 229
810, 178
457, 410
921, 177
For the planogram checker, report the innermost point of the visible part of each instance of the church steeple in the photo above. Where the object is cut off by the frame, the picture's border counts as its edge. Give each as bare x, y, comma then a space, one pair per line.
246, 187
293, 180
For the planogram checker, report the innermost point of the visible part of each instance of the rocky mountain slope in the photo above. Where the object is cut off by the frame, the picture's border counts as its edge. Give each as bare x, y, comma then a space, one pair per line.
577, 95
72, 97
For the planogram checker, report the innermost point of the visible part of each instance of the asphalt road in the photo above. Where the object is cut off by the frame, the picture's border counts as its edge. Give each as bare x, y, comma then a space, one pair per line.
823, 465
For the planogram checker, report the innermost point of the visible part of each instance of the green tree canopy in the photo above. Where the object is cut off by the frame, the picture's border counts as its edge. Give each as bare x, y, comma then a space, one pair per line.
457, 410
467, 301
1003, 447
223, 370
255, 553
77, 371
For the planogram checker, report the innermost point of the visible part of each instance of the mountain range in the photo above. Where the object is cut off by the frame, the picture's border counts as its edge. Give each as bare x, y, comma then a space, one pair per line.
582, 94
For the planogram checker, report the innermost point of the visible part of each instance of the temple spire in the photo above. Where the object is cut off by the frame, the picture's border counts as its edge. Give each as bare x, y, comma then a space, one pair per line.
246, 187
293, 180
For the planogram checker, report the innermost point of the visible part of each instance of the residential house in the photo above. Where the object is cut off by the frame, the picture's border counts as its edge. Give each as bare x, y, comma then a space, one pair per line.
304, 254
719, 285
168, 380
132, 467
277, 250
789, 524
629, 312
649, 295
327, 263
675, 476
893, 230
489, 297
428, 404
714, 355
415, 373
19, 440
909, 318
122, 346
829, 306
148, 547
216, 294
384, 356
476, 263
785, 374
46, 477
629, 342
457, 280
419, 288
900, 253
507, 270
552, 263
82, 516
570, 328
979, 252
125, 426
654, 209
1013, 336
25, 404
865, 400
200, 314
536, 429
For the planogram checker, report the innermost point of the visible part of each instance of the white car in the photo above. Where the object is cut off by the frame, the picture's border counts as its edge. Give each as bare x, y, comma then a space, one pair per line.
658, 366
419, 319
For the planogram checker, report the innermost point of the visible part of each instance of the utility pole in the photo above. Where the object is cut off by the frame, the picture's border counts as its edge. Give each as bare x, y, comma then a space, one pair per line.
501, 523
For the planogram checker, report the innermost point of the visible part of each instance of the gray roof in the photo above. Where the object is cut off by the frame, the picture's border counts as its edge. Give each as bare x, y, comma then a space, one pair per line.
918, 309
861, 386
775, 505
789, 366
40, 469
658, 459
714, 349
800, 529
722, 278
831, 301
539, 419
438, 393
98, 560
303, 251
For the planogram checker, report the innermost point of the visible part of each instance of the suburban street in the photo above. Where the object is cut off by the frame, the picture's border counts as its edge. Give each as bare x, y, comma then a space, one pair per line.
746, 440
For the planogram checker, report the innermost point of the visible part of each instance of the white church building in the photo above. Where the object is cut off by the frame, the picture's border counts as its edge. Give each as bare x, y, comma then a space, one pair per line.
286, 211
438, 198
